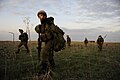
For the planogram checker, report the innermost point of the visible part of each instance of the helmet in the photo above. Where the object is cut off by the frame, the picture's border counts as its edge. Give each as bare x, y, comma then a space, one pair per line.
42, 12
20, 30
100, 36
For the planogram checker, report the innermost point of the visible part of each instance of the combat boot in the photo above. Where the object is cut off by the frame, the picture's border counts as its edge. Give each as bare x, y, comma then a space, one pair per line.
52, 63
44, 67
17, 51
28, 51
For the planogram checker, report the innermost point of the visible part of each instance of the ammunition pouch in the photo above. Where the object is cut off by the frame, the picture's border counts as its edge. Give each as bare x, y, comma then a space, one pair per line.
46, 37
38, 28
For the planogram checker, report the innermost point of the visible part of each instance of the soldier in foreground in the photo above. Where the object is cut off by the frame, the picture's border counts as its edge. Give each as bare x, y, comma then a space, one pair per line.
24, 40
100, 42
68, 41
85, 42
48, 33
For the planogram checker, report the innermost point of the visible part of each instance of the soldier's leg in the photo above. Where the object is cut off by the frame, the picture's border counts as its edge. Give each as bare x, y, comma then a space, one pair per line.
68, 44
25, 44
85, 44
51, 59
45, 57
101, 46
19, 47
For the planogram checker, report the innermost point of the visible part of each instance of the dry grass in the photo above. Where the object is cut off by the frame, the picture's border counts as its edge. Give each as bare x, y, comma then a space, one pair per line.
74, 63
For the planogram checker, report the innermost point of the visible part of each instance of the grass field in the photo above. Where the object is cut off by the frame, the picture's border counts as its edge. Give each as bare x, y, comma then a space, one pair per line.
74, 63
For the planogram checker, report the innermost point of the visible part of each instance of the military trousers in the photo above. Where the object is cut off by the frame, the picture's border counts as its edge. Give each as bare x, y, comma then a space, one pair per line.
68, 43
25, 45
47, 53
100, 46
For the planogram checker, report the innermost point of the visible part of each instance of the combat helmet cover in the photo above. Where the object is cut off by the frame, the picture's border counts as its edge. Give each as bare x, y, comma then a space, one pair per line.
20, 30
42, 12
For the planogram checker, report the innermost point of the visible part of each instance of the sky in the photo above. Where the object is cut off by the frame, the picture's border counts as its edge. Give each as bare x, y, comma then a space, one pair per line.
78, 18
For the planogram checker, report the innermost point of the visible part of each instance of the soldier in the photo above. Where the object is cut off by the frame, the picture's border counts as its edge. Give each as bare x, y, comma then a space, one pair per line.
68, 41
24, 40
46, 36
85, 42
100, 42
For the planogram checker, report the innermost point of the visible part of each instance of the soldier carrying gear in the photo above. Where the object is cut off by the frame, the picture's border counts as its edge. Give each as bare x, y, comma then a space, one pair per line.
24, 40
45, 36
85, 42
68, 41
100, 42
47, 33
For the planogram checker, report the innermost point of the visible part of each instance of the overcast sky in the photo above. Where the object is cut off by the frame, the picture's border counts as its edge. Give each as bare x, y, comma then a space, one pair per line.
101, 15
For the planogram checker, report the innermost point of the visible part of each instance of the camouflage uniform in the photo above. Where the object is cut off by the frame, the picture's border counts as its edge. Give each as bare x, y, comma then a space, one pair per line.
68, 41
47, 36
47, 51
24, 41
100, 42
85, 42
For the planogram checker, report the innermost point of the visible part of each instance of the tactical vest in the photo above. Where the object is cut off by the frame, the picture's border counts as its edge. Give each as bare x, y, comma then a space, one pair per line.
23, 37
86, 41
46, 33
100, 40
50, 31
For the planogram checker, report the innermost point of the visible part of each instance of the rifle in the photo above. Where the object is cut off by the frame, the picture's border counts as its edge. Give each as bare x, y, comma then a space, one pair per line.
105, 36
39, 46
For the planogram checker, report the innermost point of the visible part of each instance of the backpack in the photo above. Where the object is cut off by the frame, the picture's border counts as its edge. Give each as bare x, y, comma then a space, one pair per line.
23, 37
100, 40
86, 41
59, 41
